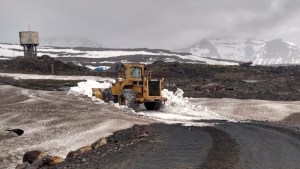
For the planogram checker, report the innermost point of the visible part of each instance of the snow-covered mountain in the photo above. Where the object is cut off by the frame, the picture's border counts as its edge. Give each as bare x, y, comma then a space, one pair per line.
260, 52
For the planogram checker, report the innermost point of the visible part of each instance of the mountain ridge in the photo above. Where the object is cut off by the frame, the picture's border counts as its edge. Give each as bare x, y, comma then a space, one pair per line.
260, 52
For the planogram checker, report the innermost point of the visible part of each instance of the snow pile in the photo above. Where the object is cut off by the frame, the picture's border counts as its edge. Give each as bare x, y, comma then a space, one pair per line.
85, 88
176, 103
18, 76
178, 109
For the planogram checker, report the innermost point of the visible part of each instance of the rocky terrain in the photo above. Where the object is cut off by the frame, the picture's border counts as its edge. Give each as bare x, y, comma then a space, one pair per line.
71, 131
197, 80
254, 82
43, 65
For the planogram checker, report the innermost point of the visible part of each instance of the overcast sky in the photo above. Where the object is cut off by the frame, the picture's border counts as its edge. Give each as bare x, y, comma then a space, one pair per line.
167, 24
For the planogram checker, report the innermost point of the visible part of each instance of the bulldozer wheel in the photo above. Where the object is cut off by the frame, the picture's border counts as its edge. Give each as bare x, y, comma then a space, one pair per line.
152, 105
107, 95
116, 99
128, 98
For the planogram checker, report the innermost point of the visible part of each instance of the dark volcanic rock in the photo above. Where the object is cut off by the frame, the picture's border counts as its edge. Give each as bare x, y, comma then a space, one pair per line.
19, 132
32, 156
43, 65
254, 82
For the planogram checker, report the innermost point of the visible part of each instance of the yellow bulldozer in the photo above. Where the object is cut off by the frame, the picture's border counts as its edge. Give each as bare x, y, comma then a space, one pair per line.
133, 86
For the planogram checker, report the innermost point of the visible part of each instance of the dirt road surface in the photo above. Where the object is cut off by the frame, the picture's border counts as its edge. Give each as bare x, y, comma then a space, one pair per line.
58, 123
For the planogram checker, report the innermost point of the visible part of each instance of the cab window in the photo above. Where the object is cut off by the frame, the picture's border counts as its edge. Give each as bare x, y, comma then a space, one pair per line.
135, 72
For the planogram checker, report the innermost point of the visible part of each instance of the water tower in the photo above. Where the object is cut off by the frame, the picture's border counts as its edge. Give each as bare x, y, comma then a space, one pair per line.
29, 40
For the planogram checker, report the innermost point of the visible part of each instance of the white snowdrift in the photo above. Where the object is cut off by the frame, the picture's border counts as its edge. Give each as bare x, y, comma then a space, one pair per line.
85, 88
177, 109
53, 77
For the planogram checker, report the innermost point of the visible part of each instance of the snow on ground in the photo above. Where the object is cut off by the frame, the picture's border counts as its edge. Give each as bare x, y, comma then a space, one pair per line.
10, 51
259, 110
85, 88
7, 50
54, 122
208, 61
191, 111
177, 109
54, 77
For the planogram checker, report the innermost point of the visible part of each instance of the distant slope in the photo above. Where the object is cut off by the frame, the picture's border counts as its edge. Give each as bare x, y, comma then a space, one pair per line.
260, 52
100, 55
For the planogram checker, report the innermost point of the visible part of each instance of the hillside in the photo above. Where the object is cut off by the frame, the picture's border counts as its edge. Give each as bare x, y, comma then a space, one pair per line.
260, 52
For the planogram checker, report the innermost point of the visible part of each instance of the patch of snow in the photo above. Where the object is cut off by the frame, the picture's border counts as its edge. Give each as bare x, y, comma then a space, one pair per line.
178, 109
290, 43
11, 46
71, 51
54, 77
85, 88
206, 60
260, 110
10, 53
7, 50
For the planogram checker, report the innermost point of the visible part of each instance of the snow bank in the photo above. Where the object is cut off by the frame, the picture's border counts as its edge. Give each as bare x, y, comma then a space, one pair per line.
85, 88
18, 76
177, 109
178, 104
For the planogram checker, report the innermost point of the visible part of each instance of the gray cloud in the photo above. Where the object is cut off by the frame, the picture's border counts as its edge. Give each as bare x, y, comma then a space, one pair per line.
156, 23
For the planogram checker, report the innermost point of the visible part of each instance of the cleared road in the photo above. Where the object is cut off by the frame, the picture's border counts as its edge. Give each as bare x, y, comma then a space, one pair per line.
58, 123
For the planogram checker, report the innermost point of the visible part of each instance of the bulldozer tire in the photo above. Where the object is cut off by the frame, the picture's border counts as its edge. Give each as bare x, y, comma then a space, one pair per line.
107, 95
116, 99
128, 98
152, 105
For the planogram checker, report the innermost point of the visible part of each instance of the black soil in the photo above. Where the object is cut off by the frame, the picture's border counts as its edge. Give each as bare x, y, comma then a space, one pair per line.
43, 65
254, 82
196, 80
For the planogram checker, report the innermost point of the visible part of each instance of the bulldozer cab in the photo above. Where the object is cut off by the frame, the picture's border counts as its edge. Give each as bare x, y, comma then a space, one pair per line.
135, 72
131, 71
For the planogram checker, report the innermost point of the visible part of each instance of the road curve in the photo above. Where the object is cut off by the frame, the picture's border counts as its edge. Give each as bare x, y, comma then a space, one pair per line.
223, 146
51, 118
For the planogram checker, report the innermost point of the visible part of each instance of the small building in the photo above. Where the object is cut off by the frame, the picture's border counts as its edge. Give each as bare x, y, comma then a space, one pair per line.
29, 40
